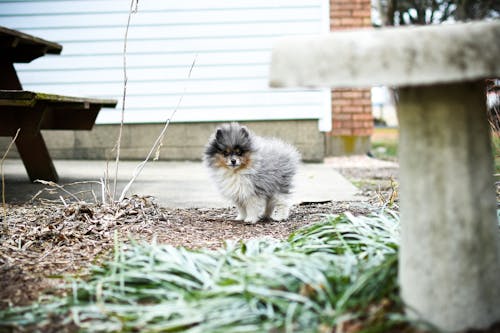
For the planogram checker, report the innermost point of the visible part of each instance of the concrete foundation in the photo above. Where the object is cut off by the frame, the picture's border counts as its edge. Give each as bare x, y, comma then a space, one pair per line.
347, 145
184, 141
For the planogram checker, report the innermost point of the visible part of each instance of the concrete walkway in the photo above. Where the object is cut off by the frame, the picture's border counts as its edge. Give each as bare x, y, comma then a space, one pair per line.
174, 184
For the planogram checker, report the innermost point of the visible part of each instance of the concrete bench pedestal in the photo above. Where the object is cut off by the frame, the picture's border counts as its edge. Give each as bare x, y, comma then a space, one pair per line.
449, 267
449, 261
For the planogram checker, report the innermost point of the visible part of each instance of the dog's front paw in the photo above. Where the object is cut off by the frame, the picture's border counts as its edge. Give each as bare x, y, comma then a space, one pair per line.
281, 213
240, 217
251, 219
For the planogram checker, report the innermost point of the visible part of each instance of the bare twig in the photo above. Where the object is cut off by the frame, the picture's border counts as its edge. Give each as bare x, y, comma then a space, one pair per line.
60, 187
133, 10
4, 206
158, 143
54, 188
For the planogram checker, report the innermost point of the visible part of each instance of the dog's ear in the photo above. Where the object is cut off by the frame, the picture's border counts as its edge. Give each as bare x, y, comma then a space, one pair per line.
218, 135
244, 132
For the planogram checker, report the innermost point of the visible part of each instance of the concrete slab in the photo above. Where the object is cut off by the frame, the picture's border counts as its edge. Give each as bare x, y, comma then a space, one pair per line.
174, 184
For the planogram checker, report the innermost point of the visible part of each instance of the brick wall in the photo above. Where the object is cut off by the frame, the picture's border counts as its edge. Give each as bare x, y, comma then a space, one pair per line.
352, 119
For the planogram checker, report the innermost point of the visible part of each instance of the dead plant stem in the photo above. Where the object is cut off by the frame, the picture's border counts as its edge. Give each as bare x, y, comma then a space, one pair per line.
4, 206
133, 9
158, 143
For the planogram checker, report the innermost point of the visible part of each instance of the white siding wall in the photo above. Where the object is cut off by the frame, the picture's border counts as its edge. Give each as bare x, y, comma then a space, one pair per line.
231, 40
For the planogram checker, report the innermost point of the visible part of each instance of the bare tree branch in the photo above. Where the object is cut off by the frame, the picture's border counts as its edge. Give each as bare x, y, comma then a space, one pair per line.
3, 178
133, 9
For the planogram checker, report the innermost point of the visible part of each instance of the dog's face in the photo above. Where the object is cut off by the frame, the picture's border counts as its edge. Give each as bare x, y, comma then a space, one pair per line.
230, 148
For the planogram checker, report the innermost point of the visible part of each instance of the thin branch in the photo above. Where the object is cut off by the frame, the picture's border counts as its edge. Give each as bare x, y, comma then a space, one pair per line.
60, 187
4, 206
132, 10
158, 143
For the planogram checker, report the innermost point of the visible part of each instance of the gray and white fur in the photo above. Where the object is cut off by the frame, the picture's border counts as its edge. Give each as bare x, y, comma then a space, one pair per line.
255, 173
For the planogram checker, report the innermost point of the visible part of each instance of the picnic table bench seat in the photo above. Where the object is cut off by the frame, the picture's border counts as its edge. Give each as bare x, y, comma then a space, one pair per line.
55, 112
33, 111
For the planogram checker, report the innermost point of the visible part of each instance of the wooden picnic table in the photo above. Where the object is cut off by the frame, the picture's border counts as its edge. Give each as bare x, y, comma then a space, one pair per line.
33, 111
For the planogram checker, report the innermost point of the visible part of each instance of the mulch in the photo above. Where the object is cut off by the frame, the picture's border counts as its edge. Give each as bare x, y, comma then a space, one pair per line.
42, 242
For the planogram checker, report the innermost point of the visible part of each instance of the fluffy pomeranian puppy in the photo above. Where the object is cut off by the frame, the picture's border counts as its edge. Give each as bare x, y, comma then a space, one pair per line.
255, 173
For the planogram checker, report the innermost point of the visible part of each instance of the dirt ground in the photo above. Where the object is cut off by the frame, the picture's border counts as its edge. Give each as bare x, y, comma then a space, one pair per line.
42, 241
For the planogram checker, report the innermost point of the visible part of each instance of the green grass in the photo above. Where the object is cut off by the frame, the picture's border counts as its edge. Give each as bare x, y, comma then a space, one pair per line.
496, 152
329, 272
385, 143
385, 150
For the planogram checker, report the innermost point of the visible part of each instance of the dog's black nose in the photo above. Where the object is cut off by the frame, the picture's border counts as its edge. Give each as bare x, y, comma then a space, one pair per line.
233, 161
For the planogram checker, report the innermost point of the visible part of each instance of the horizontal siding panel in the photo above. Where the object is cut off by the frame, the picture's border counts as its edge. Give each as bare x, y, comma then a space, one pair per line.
115, 61
231, 41
165, 18
65, 7
155, 74
167, 48
214, 101
145, 87
212, 45
205, 114
86, 33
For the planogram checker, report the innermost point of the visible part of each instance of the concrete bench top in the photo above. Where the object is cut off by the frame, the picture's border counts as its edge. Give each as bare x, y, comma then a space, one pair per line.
389, 56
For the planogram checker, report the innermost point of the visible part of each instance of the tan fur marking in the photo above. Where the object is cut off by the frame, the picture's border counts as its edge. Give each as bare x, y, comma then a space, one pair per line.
246, 161
220, 161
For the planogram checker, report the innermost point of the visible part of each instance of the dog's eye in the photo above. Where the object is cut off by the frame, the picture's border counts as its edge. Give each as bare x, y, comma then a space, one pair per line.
225, 153
238, 152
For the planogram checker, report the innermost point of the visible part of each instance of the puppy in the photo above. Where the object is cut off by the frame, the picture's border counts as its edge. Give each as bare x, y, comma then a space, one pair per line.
255, 173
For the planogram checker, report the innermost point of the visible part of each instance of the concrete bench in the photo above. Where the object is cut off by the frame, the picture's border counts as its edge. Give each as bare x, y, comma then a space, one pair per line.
30, 111
449, 267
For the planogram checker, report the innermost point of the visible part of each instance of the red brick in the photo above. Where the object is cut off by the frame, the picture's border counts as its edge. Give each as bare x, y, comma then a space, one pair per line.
336, 125
342, 116
340, 13
352, 94
358, 101
338, 93
351, 21
348, 124
352, 109
342, 101
336, 109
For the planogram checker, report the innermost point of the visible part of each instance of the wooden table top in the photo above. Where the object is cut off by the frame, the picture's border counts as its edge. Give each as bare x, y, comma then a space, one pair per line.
16, 46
